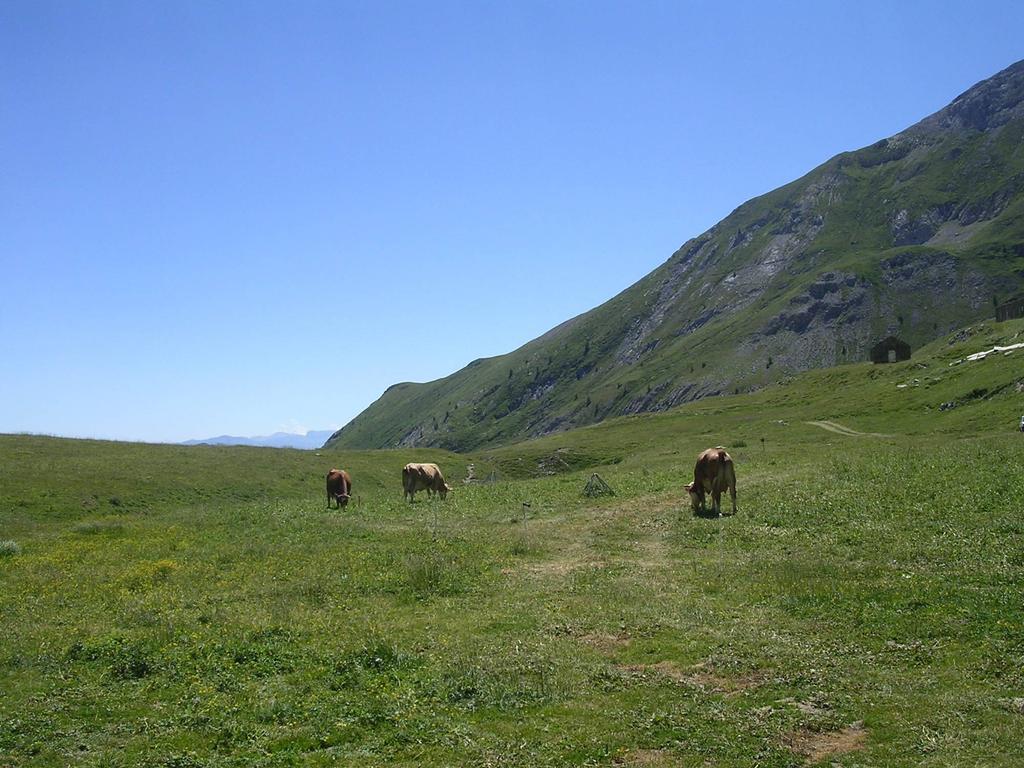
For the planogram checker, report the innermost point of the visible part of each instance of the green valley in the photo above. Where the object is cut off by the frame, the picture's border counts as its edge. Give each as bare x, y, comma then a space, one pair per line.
199, 606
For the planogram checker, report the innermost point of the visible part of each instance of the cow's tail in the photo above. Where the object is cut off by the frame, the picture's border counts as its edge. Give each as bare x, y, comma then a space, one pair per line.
730, 477
407, 484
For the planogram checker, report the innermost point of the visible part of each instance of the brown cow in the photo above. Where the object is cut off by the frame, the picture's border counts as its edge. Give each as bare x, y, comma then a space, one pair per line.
713, 474
418, 477
339, 487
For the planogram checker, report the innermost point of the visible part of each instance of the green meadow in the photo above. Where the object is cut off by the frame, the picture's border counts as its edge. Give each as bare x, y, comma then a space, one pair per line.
200, 606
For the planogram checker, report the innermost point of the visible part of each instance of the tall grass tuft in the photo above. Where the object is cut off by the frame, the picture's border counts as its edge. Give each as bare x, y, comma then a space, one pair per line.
9, 548
428, 574
525, 544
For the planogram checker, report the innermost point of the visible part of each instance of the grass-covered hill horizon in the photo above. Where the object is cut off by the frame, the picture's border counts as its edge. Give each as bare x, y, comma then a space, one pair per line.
915, 235
175, 606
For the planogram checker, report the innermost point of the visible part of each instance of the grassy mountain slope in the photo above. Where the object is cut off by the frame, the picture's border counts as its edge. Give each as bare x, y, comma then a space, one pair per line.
914, 235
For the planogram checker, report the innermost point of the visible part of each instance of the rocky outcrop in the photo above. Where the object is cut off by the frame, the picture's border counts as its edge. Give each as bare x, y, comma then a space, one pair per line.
832, 296
989, 105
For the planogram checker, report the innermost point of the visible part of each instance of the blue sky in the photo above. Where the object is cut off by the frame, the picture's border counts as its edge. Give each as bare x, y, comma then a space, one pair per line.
247, 217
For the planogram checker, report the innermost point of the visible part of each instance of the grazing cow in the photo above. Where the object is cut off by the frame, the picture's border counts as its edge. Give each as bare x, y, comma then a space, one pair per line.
339, 487
419, 477
713, 474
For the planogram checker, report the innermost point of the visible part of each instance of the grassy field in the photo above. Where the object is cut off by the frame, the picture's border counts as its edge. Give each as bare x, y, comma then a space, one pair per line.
172, 606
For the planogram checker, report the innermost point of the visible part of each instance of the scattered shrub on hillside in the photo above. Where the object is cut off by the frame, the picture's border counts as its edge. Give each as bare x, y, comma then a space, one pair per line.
739, 444
9, 548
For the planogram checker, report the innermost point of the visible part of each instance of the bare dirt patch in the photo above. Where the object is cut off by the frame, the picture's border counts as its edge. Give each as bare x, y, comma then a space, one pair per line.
1014, 705
700, 676
562, 567
812, 708
653, 553
815, 746
839, 429
555, 567
646, 757
606, 643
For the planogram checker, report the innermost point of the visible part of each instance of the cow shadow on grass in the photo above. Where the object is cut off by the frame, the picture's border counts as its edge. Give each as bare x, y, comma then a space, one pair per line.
710, 514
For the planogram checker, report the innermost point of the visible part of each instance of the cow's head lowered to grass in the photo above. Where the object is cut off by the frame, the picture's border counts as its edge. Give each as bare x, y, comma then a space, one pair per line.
342, 499
696, 497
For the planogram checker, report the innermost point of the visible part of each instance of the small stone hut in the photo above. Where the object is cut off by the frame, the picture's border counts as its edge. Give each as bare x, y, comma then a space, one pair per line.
1011, 309
890, 350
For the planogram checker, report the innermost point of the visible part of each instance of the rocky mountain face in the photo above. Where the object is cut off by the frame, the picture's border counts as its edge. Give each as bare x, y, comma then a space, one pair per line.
912, 236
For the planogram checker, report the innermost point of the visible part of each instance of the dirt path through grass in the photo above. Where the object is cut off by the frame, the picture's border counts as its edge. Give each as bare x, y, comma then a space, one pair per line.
839, 429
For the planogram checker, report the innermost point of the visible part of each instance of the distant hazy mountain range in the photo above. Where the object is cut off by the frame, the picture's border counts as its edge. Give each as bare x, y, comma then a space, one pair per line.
312, 439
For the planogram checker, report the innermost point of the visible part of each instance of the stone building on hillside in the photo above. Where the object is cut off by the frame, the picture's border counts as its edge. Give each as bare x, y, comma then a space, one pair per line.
1011, 309
890, 350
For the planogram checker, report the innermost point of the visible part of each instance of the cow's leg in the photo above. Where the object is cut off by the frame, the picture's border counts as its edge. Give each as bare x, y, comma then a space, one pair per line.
328, 499
732, 496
